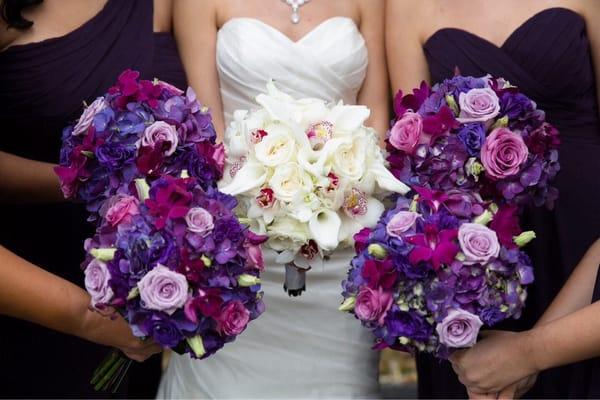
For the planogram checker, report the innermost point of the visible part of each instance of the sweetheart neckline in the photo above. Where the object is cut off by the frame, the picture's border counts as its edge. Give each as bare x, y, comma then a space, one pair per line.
512, 34
289, 39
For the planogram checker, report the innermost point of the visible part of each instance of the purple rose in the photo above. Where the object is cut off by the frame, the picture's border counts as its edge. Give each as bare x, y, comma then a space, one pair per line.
459, 329
161, 133
473, 136
114, 155
97, 277
478, 243
199, 221
406, 132
503, 153
478, 105
86, 119
372, 304
233, 319
401, 222
163, 290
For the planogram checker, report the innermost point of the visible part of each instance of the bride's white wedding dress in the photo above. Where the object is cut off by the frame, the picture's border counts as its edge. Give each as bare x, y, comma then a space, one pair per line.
301, 347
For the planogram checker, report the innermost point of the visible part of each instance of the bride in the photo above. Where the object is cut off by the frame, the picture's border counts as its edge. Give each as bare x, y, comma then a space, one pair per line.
330, 49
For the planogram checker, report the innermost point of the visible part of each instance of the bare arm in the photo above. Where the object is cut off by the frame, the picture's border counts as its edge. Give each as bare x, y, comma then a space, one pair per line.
406, 60
26, 180
577, 291
374, 91
195, 26
33, 294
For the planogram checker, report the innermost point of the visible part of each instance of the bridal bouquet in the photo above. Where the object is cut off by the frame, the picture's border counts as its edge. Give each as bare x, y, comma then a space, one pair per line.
477, 134
435, 270
174, 261
138, 129
307, 174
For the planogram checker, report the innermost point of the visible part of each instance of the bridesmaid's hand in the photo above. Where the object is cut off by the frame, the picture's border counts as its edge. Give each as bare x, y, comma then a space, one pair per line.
499, 360
517, 390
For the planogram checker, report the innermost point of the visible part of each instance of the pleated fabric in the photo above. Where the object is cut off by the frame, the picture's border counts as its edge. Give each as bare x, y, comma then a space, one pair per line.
548, 57
42, 88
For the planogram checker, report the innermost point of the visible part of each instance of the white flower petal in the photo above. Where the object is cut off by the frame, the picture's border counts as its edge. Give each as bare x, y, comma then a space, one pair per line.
324, 228
250, 176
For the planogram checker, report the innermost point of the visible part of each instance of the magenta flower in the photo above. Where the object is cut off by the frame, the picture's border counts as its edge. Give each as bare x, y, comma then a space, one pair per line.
411, 101
506, 225
171, 201
434, 246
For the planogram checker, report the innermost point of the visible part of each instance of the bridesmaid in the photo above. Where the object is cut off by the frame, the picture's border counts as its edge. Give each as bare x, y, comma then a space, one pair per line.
54, 55
546, 48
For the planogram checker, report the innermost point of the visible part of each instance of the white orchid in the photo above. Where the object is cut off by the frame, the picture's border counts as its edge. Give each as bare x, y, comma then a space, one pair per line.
306, 173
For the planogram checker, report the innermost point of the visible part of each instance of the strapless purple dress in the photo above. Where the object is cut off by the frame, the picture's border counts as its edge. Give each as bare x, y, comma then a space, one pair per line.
549, 58
42, 87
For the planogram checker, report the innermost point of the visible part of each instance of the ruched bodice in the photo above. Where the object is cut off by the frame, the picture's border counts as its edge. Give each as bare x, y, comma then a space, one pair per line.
300, 347
329, 62
549, 58
42, 88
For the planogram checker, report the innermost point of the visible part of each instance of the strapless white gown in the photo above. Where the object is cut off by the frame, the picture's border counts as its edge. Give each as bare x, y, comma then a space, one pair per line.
300, 347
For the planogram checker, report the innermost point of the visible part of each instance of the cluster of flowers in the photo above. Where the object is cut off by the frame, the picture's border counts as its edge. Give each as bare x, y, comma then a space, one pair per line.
139, 129
173, 258
426, 279
477, 134
306, 173
168, 254
435, 270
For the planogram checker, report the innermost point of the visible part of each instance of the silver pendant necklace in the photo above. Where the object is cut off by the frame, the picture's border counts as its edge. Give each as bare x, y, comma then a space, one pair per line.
295, 4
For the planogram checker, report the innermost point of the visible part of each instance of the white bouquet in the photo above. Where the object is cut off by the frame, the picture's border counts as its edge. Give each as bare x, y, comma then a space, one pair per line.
307, 174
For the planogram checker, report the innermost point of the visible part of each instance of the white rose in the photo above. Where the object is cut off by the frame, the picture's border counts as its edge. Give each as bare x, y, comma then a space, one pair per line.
349, 159
287, 234
277, 147
289, 181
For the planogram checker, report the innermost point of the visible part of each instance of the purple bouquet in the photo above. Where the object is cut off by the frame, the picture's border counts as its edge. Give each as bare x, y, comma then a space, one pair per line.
138, 129
476, 134
436, 269
175, 262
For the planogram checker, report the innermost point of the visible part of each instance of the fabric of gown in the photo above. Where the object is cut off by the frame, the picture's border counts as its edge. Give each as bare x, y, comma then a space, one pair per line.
42, 88
300, 347
548, 57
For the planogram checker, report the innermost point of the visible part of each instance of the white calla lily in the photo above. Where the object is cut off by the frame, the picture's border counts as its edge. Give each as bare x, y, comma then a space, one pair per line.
251, 176
324, 228
386, 180
347, 119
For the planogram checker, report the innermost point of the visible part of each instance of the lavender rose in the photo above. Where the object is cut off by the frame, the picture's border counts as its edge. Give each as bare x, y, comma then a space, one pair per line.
372, 304
406, 132
97, 277
478, 105
478, 243
459, 329
163, 290
159, 132
233, 319
401, 222
503, 153
86, 119
199, 221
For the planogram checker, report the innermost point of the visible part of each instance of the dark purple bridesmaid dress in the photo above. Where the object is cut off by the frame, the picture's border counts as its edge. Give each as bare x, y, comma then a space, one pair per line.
42, 87
549, 58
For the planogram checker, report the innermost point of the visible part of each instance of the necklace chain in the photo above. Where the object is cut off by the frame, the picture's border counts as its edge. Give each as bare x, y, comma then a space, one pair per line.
295, 4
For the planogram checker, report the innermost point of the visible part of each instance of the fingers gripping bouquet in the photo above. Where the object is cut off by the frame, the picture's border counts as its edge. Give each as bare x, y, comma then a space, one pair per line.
436, 269
174, 261
307, 174
138, 129
478, 134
